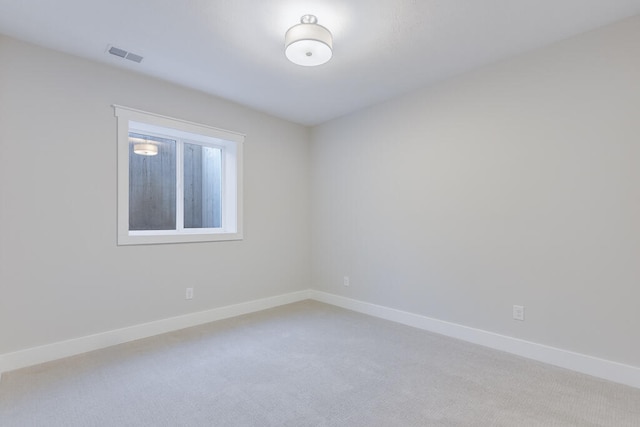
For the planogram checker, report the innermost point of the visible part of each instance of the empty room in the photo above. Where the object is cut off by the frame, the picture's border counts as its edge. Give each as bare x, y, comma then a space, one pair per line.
320, 213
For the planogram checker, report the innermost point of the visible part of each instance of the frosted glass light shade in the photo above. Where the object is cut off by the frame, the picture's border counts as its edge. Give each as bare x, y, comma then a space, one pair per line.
308, 44
145, 149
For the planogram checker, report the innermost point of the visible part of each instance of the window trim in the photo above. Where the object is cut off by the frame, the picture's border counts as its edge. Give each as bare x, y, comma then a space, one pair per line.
232, 144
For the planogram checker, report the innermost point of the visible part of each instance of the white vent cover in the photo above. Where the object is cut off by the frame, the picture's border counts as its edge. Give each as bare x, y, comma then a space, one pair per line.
124, 54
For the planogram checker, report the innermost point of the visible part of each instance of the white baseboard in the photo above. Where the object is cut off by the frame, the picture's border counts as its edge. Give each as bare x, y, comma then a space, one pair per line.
605, 369
58, 350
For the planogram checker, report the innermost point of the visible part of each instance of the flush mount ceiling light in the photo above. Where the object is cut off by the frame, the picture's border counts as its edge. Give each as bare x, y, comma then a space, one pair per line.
308, 43
143, 147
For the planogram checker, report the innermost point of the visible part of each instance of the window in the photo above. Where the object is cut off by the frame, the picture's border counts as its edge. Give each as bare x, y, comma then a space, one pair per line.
177, 181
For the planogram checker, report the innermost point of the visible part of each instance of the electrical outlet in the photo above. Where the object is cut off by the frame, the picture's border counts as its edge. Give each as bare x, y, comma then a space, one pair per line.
518, 312
345, 281
189, 294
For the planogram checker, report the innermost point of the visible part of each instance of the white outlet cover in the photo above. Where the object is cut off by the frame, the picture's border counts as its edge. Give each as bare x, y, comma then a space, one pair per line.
518, 312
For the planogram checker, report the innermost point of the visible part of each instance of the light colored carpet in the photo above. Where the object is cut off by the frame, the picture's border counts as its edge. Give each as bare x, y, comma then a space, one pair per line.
308, 364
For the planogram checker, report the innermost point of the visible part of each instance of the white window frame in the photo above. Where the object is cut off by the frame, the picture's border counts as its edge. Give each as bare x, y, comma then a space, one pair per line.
231, 144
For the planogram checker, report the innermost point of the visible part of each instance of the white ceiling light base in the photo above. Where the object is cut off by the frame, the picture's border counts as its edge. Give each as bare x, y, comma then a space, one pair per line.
308, 44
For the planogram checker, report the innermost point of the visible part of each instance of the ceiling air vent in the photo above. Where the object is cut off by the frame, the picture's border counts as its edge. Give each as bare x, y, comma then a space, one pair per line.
124, 54
133, 57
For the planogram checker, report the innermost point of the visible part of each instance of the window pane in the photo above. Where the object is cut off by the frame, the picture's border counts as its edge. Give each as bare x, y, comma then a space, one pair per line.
202, 186
152, 184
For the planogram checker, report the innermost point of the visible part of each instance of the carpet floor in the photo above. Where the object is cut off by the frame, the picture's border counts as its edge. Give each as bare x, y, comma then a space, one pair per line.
308, 364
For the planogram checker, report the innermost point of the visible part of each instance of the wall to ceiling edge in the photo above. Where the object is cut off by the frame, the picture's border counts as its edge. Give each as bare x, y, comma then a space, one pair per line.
62, 276
515, 184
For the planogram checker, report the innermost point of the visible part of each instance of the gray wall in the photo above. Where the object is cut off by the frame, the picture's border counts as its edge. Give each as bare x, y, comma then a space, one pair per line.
61, 273
518, 183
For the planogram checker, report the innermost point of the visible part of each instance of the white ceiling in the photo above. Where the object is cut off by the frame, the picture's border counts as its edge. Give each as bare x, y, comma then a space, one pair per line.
234, 48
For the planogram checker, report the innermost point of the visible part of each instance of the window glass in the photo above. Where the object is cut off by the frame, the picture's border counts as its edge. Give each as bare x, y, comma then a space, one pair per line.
202, 186
152, 184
